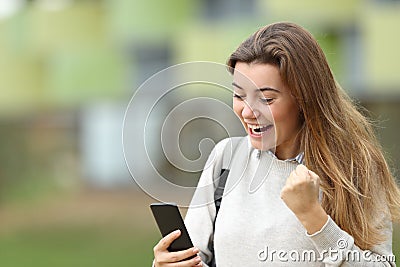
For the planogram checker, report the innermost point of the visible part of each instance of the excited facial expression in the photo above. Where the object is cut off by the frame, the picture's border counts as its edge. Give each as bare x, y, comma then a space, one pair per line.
266, 108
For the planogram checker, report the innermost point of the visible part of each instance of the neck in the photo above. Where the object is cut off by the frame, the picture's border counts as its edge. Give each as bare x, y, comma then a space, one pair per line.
284, 153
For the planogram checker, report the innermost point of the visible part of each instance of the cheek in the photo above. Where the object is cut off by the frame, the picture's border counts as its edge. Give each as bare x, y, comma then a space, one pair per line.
237, 108
277, 115
285, 116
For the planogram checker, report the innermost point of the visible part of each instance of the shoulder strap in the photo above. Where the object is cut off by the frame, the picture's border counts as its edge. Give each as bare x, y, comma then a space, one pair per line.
227, 157
229, 152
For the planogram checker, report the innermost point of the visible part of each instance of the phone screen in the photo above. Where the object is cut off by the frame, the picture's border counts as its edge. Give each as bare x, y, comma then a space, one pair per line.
169, 219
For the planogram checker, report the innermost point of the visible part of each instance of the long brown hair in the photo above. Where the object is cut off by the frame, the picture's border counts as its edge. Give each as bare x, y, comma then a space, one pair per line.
339, 143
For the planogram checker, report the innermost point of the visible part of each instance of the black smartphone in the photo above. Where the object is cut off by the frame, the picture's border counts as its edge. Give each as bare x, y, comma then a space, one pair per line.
169, 219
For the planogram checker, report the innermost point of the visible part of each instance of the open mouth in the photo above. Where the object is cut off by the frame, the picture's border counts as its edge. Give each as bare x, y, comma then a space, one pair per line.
258, 130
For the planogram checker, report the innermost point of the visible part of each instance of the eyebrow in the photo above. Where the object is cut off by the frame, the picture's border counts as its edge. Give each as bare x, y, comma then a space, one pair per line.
258, 89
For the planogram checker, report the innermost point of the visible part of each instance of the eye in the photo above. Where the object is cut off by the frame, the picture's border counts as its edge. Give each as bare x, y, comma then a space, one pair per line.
238, 96
266, 100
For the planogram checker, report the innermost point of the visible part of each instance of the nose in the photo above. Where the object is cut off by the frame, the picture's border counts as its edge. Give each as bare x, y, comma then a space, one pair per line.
249, 113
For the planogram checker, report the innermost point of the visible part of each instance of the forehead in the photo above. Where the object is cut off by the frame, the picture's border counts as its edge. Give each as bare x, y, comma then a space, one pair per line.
257, 75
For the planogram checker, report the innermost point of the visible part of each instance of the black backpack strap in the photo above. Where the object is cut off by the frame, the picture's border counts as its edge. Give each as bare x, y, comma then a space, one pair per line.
219, 191
227, 157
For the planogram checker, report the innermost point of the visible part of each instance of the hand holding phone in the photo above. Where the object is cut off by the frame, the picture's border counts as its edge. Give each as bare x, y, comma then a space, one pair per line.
180, 247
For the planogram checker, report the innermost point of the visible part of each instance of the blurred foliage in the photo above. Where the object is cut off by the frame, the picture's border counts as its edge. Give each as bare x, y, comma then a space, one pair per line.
38, 157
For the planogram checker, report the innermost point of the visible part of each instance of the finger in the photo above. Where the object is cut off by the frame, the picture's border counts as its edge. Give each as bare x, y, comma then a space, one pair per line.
301, 170
298, 177
293, 176
313, 174
196, 261
166, 241
178, 256
289, 180
315, 182
309, 177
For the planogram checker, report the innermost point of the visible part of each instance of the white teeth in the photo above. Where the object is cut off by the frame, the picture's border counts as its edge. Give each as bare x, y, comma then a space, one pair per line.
258, 129
255, 126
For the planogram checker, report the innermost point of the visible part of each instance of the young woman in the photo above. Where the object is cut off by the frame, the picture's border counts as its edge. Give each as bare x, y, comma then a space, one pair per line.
308, 186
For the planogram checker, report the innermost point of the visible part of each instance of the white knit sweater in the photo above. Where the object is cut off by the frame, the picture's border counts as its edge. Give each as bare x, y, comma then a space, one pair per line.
254, 227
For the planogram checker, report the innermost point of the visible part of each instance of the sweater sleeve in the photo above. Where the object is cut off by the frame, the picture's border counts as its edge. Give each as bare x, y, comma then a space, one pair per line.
200, 216
336, 248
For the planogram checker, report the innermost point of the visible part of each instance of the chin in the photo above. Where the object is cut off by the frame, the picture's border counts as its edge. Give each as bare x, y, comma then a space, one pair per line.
262, 145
